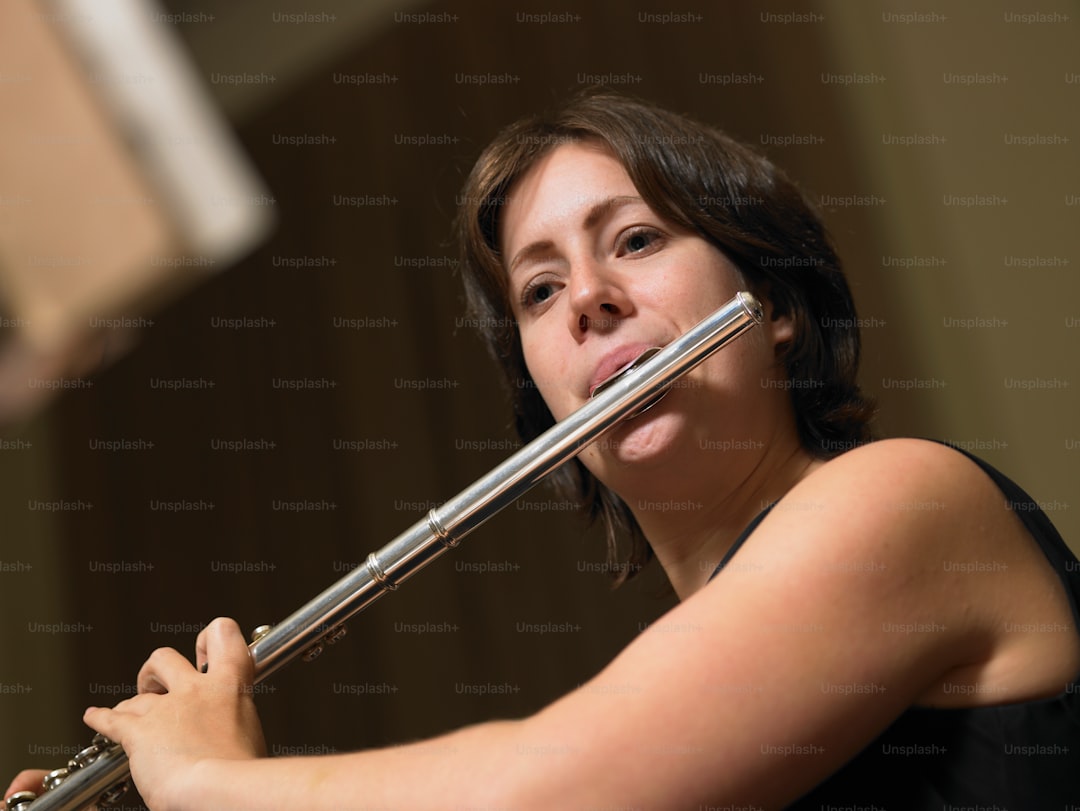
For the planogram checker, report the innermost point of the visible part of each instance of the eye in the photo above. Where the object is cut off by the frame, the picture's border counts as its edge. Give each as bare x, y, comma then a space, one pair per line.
638, 240
536, 293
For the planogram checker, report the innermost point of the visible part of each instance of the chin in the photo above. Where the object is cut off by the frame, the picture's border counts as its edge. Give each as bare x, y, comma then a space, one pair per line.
649, 439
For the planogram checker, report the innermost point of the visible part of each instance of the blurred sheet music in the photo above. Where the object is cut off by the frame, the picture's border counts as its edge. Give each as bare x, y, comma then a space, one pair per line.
121, 185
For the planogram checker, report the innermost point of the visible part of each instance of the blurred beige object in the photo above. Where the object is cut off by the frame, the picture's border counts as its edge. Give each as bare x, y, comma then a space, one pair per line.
120, 186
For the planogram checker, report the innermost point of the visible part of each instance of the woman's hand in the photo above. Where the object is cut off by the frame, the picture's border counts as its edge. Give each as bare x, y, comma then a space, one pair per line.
182, 715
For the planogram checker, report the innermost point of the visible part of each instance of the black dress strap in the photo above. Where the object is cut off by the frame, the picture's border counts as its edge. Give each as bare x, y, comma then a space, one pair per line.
741, 539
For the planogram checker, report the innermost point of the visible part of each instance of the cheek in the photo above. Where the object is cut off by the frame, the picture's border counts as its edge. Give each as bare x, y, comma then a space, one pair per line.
548, 371
698, 284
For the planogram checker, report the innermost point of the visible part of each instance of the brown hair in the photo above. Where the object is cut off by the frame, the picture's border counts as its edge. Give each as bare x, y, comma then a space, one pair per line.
698, 178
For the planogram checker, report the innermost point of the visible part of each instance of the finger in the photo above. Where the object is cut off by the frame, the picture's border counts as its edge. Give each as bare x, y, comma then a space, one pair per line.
109, 723
163, 671
26, 780
223, 647
200, 651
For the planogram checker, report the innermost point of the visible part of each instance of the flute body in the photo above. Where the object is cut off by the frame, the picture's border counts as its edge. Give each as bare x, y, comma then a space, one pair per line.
98, 773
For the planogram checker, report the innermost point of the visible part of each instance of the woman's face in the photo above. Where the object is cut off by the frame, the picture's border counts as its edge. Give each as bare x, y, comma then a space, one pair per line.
595, 278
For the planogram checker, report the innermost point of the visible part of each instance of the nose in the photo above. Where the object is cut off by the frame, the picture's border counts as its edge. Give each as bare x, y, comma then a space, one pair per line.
598, 302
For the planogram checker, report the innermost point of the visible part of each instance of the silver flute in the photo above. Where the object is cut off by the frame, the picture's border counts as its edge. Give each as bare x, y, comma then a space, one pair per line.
99, 773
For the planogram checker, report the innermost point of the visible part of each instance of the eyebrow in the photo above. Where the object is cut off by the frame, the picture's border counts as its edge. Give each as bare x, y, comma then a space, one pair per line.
596, 213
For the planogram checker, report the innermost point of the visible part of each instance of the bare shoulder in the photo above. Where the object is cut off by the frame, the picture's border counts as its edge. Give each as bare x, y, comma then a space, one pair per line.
892, 472
922, 511
903, 499
936, 530
921, 549
911, 499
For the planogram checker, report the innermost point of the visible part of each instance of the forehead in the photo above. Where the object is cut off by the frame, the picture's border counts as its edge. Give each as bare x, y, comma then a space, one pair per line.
560, 188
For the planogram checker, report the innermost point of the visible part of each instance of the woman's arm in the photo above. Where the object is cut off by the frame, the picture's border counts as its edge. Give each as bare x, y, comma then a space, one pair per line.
822, 630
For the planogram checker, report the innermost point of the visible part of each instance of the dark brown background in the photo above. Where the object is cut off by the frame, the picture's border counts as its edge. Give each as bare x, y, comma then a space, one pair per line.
392, 265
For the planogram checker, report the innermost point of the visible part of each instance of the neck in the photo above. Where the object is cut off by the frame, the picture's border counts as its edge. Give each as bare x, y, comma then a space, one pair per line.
691, 534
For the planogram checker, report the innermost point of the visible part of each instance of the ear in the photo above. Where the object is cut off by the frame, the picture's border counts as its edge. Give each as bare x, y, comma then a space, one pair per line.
780, 323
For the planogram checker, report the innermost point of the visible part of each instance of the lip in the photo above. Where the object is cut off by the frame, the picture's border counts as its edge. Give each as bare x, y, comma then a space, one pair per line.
614, 362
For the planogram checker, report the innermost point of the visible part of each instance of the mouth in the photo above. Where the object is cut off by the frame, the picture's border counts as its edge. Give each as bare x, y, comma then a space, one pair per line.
609, 381
618, 362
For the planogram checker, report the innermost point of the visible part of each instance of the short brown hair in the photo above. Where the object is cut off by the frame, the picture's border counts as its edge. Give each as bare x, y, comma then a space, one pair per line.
697, 178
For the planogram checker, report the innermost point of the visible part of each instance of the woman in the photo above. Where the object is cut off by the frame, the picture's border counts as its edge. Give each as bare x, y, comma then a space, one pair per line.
832, 644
